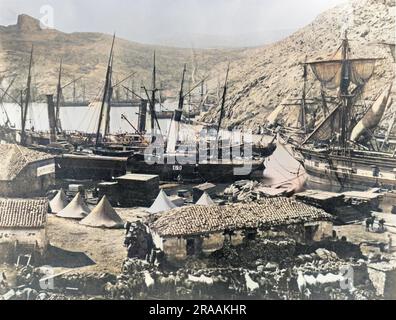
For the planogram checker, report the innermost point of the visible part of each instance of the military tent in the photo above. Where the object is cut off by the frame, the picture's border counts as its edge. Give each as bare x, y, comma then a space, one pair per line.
103, 216
205, 200
162, 203
76, 209
59, 202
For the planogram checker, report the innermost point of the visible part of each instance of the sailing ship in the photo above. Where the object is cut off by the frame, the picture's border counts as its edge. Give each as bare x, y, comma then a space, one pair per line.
342, 152
106, 144
76, 102
29, 137
194, 160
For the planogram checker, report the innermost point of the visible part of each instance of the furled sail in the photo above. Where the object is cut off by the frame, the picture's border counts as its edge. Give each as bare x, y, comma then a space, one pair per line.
173, 135
274, 115
325, 130
329, 73
104, 128
373, 116
97, 105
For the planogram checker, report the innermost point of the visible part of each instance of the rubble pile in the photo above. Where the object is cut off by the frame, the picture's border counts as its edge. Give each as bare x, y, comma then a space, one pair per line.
86, 284
32, 284
27, 286
249, 191
249, 253
343, 249
141, 280
260, 268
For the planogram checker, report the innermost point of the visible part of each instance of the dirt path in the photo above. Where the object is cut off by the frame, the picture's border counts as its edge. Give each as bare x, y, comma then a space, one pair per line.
86, 249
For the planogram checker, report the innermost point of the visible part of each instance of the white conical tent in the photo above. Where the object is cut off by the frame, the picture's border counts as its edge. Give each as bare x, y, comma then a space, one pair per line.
205, 200
103, 216
59, 202
161, 204
76, 209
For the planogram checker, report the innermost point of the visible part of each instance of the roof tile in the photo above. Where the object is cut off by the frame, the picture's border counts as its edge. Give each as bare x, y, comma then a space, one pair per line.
195, 220
23, 213
15, 158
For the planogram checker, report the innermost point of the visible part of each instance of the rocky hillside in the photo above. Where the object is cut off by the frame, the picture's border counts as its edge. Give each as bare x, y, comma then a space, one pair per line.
260, 78
266, 76
87, 54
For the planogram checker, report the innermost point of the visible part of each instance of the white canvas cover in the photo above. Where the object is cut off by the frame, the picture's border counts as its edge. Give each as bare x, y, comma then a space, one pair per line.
162, 203
76, 209
103, 216
205, 200
59, 202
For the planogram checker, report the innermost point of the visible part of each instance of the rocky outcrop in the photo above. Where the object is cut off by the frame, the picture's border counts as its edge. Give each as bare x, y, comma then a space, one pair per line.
27, 23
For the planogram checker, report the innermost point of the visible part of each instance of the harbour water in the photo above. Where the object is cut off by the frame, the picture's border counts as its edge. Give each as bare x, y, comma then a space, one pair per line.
82, 118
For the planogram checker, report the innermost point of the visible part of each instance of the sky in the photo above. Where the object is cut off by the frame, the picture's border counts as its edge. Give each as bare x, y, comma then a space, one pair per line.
158, 21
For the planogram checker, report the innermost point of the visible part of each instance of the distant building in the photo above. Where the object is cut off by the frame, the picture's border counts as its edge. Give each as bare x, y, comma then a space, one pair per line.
25, 172
23, 228
193, 230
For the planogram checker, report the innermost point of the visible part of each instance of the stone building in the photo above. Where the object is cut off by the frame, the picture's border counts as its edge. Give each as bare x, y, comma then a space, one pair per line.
23, 228
194, 230
25, 172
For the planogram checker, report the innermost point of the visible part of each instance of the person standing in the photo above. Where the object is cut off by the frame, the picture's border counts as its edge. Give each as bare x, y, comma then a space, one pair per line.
381, 224
372, 220
389, 243
368, 224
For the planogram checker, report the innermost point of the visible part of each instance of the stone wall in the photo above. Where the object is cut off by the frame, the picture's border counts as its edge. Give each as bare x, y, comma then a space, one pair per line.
176, 248
325, 230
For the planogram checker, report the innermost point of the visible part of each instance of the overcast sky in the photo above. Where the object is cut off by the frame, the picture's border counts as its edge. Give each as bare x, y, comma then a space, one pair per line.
150, 21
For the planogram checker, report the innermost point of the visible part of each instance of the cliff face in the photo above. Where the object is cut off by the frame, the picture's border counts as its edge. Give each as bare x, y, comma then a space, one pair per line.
26, 23
266, 76
86, 54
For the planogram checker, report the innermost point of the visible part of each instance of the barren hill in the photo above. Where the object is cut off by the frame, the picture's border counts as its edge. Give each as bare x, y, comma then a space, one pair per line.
86, 54
260, 78
266, 76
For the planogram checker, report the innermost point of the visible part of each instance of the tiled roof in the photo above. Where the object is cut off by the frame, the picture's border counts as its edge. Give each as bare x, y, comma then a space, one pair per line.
23, 213
195, 220
14, 158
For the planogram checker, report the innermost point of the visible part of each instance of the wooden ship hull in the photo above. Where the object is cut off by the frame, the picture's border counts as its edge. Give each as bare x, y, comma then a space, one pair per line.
39, 141
114, 152
213, 171
357, 170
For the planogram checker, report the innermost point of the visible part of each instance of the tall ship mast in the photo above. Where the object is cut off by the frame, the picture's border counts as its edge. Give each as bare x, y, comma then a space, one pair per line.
103, 127
342, 152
